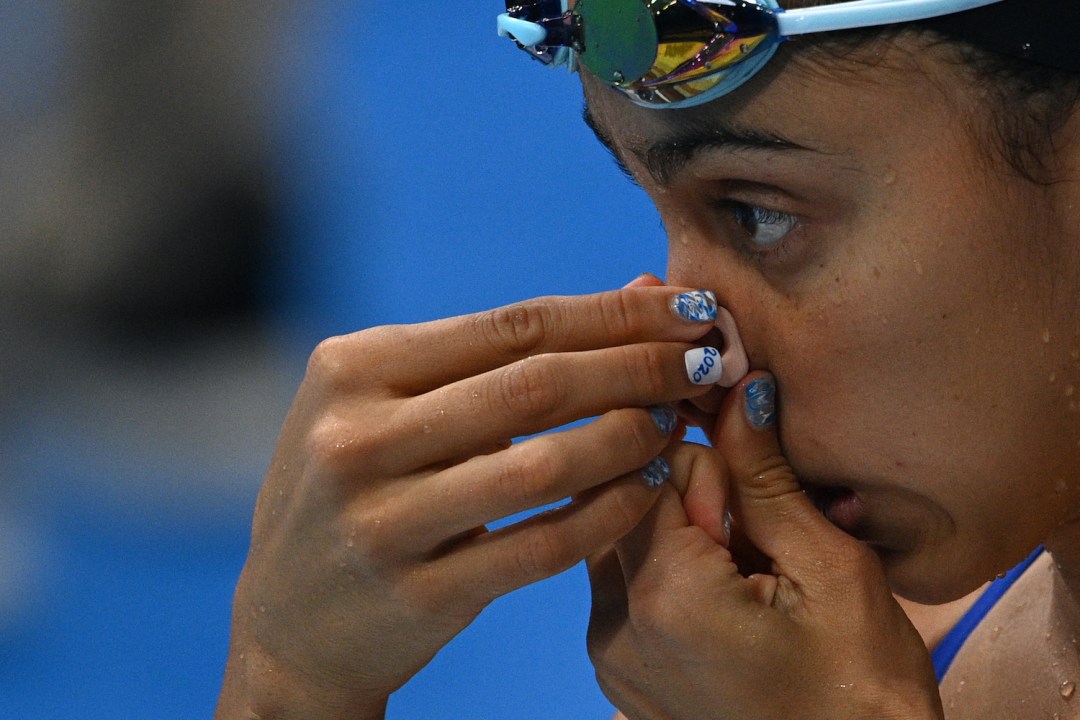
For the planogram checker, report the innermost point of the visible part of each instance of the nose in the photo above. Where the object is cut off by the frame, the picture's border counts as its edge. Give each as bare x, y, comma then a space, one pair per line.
733, 353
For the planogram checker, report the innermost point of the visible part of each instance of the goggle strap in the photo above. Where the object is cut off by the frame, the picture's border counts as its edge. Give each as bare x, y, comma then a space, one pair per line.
527, 33
868, 13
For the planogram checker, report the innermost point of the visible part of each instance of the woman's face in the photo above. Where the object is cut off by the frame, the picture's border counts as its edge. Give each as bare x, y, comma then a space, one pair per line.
916, 300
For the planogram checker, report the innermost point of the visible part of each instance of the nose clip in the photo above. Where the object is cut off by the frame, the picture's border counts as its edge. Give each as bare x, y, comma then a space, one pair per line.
735, 364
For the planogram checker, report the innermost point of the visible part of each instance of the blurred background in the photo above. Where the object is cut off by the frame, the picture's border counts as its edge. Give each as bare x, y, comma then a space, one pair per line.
192, 194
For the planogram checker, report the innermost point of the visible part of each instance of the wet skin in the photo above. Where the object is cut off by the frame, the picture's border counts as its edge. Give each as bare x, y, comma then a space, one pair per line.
920, 315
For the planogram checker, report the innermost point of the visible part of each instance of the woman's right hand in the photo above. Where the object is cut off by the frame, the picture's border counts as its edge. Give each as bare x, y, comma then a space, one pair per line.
369, 549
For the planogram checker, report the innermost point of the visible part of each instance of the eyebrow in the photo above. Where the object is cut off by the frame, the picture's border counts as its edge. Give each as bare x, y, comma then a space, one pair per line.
669, 156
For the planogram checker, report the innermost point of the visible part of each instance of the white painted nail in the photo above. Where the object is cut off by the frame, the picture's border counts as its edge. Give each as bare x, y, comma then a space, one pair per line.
703, 365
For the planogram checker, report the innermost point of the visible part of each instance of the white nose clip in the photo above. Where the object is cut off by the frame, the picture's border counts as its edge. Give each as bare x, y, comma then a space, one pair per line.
733, 354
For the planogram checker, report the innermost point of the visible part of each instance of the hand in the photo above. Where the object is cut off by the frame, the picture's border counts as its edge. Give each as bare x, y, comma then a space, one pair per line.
369, 548
682, 629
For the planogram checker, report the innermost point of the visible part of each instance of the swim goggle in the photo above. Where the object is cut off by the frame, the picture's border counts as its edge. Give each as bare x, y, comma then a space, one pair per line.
679, 53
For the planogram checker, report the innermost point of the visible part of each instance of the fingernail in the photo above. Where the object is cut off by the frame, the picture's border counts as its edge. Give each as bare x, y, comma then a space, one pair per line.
695, 306
665, 418
656, 473
760, 405
727, 527
703, 365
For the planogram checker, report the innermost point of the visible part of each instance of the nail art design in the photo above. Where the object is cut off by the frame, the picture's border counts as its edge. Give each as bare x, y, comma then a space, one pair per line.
703, 365
760, 403
695, 306
656, 473
665, 418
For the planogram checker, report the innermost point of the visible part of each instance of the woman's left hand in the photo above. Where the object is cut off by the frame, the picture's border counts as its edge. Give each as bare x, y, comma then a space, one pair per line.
679, 632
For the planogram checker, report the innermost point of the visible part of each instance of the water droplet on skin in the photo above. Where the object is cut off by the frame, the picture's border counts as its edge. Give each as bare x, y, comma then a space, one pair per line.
1067, 689
350, 542
262, 608
995, 632
427, 430
1046, 335
889, 177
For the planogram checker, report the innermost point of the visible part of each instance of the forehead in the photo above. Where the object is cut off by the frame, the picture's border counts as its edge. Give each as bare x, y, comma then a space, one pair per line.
871, 100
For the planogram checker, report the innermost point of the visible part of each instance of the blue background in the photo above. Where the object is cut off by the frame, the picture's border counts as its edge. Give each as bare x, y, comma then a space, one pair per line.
431, 169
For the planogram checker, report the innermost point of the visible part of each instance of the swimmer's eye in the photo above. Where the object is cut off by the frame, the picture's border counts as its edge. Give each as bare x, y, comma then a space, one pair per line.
765, 227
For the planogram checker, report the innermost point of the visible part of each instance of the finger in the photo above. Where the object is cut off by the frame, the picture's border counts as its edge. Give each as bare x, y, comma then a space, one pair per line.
772, 510
668, 532
544, 545
705, 496
413, 359
535, 473
534, 395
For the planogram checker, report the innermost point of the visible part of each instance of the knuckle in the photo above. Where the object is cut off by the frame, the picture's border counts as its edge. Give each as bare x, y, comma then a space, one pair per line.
532, 472
646, 365
529, 387
342, 362
642, 440
769, 478
329, 359
518, 329
546, 553
370, 535
337, 447
616, 313
625, 511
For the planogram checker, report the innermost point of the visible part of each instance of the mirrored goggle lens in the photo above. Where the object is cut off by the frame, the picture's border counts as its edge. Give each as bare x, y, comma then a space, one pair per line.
647, 44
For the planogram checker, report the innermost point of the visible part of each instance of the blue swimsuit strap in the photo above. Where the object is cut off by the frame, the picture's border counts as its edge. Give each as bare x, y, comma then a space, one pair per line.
945, 652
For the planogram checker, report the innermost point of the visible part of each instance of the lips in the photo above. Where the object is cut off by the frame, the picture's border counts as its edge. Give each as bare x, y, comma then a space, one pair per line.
840, 505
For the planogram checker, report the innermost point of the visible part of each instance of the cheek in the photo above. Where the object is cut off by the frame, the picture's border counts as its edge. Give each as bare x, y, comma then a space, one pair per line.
903, 363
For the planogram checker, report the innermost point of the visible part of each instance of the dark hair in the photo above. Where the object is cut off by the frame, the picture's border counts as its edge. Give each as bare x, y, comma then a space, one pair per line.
1027, 102
1031, 104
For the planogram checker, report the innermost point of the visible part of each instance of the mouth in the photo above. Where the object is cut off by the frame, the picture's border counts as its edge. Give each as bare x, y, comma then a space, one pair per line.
840, 505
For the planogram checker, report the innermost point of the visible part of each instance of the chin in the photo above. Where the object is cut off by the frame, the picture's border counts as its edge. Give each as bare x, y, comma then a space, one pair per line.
936, 578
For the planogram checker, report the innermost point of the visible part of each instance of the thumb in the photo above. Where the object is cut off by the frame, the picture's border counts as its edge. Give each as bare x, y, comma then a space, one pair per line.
772, 511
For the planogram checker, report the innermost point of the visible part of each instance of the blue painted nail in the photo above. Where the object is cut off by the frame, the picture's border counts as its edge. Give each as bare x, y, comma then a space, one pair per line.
656, 473
665, 418
695, 306
760, 405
